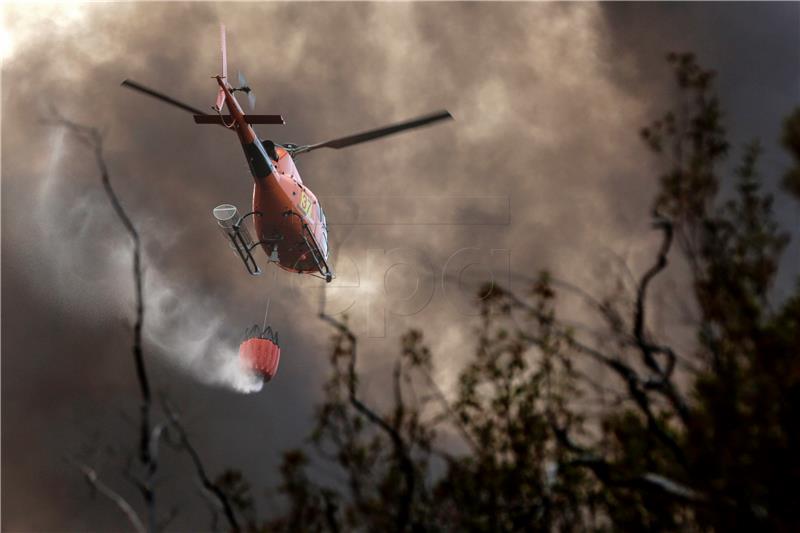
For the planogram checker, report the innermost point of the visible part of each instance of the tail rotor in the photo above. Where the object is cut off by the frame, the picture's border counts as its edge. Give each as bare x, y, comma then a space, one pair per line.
245, 88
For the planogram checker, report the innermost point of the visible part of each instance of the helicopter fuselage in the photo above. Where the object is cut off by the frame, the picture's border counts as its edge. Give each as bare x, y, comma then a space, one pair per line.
288, 219
291, 220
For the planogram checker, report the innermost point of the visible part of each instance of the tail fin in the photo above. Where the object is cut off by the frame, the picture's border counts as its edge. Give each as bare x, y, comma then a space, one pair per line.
221, 94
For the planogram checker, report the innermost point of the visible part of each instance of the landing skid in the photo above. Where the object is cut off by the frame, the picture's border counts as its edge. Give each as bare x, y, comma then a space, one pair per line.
325, 271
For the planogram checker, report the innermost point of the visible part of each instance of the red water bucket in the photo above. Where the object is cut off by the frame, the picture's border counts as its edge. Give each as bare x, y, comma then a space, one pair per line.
261, 355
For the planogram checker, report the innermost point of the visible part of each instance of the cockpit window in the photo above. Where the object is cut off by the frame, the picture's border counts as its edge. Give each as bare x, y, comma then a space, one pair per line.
324, 231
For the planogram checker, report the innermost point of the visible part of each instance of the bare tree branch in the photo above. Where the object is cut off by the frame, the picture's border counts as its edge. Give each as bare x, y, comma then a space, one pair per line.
636, 389
399, 444
93, 139
607, 472
200, 469
647, 348
167, 520
448, 410
661, 383
94, 480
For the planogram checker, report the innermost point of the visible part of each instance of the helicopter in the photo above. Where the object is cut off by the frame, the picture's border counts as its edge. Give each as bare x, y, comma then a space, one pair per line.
287, 217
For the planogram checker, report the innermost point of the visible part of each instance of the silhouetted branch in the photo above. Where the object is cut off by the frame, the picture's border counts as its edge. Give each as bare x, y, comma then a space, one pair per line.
641, 292
647, 348
94, 480
330, 512
638, 338
209, 485
637, 392
167, 520
449, 412
399, 444
93, 139
636, 389
608, 472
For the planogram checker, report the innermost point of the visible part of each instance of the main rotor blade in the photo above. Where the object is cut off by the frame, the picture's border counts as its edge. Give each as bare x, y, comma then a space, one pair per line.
130, 84
371, 135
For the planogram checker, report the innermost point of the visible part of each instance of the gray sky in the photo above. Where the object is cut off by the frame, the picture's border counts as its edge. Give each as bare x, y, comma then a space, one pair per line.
542, 165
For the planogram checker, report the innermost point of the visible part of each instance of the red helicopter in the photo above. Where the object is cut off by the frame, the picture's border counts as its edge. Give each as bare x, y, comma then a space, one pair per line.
288, 219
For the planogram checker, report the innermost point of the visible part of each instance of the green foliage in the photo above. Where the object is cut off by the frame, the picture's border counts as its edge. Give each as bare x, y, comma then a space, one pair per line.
739, 437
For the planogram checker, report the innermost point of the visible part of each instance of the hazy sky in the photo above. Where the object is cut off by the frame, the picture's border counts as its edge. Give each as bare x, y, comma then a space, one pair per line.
542, 168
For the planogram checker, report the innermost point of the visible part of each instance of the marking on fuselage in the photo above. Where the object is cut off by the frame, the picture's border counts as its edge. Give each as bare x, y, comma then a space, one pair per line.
305, 204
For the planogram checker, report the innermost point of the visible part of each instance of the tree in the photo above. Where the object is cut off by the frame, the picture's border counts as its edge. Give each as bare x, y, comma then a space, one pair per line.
142, 463
703, 440
700, 440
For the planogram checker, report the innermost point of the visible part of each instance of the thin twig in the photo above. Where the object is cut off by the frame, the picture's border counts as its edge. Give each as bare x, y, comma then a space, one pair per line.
94, 480
200, 469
